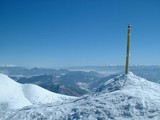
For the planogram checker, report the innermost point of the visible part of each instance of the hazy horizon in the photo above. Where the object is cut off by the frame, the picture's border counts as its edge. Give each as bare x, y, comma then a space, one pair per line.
65, 67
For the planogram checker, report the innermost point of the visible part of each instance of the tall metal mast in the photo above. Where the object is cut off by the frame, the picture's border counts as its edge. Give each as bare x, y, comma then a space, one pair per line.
128, 48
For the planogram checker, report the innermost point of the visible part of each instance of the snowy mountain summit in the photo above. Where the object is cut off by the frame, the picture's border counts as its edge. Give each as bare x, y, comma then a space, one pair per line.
129, 96
14, 95
121, 98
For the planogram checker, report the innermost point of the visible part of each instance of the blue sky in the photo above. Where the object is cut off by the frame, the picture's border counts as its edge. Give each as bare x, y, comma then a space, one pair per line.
49, 33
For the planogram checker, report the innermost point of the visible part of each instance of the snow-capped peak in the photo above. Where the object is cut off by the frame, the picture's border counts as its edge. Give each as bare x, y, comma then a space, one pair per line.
15, 95
123, 81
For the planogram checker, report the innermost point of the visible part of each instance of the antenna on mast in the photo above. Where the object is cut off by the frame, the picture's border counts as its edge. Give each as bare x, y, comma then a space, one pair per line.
128, 48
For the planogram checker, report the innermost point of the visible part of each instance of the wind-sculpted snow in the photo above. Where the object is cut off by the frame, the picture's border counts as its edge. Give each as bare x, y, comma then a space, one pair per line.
121, 98
14, 95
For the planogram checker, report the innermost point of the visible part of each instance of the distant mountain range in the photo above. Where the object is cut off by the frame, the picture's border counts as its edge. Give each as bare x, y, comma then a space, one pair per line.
21, 71
75, 81
149, 72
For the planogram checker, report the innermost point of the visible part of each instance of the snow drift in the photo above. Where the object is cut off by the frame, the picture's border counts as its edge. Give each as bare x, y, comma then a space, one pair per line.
121, 98
14, 95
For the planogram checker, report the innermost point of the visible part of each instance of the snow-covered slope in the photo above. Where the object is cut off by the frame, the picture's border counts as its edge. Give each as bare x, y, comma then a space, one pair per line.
121, 98
14, 95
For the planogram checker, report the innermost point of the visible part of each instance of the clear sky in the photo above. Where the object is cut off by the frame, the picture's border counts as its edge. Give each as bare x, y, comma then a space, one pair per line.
49, 33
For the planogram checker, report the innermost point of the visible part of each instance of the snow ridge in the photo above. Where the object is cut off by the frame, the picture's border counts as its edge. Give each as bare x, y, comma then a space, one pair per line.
14, 95
126, 97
